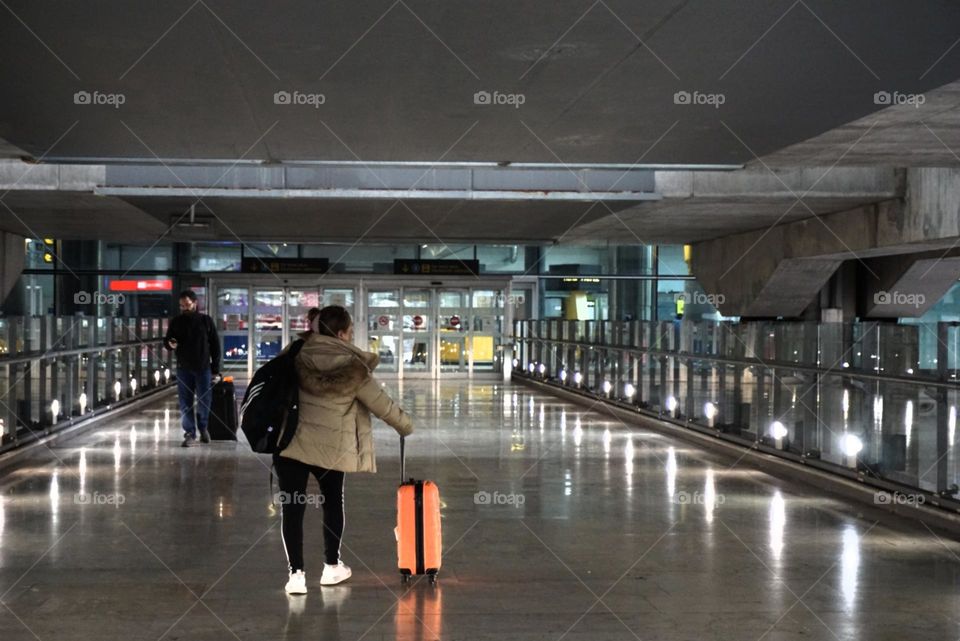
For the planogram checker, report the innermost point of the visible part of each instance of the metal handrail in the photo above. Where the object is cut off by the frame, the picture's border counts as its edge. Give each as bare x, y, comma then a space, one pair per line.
752, 362
45, 389
711, 392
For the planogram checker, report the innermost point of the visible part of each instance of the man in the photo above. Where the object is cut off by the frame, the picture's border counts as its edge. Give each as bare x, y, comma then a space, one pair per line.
194, 337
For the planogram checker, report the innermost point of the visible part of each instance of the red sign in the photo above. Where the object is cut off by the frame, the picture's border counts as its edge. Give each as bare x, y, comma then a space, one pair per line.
150, 285
455, 321
417, 321
384, 321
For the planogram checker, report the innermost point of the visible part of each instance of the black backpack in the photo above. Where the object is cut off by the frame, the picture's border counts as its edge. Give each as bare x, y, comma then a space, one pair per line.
268, 415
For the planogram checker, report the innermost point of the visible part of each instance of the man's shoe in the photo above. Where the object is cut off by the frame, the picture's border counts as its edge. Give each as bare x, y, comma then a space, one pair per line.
334, 574
297, 583
204, 436
189, 441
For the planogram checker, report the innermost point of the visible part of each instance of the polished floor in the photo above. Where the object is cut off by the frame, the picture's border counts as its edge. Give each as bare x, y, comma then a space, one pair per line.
559, 523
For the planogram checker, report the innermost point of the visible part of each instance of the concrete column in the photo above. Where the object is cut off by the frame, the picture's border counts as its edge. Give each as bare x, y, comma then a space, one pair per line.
12, 256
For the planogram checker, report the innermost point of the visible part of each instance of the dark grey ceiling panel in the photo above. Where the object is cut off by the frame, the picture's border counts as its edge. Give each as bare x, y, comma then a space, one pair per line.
598, 82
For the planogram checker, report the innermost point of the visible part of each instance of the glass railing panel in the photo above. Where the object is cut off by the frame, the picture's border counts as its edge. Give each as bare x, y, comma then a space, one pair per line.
703, 385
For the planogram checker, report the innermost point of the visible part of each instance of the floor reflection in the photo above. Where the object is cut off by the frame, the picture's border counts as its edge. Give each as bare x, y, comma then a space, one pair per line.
599, 495
419, 613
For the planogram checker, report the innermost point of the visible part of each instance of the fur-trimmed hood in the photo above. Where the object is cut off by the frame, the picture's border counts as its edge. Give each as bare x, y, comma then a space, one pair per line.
330, 366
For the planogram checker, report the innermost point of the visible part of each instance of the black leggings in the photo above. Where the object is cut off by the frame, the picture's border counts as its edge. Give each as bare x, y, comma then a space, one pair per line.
292, 477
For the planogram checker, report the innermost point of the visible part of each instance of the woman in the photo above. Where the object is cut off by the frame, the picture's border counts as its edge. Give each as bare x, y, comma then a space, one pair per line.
334, 436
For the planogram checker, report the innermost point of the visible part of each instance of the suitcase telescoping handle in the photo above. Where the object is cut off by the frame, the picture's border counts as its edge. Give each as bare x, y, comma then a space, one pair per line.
403, 457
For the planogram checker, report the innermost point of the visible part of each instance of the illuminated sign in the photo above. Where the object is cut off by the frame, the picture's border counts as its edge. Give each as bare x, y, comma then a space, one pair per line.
144, 285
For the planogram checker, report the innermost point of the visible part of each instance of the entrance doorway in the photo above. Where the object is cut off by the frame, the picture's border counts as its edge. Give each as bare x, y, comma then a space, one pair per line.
427, 331
419, 331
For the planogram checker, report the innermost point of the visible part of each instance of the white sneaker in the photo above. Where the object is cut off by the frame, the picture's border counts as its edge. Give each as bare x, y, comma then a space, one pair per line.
297, 584
333, 574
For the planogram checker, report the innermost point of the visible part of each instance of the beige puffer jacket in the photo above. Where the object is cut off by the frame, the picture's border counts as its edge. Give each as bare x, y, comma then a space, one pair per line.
337, 394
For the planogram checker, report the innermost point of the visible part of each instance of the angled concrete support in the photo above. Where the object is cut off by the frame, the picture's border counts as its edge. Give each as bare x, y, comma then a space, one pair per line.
906, 286
794, 283
905, 250
779, 271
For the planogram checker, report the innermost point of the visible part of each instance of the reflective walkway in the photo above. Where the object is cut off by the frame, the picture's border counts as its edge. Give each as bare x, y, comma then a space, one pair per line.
558, 524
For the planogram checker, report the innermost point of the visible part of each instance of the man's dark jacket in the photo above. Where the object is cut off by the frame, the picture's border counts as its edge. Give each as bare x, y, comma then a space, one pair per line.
198, 347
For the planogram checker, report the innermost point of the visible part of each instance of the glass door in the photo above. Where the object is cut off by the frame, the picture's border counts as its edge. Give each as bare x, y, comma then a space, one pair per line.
299, 302
342, 296
453, 324
268, 324
231, 318
418, 332
383, 327
486, 329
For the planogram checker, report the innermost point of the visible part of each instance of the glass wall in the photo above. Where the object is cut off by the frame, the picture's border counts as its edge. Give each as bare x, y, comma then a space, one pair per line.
502, 258
270, 250
443, 251
32, 295
158, 257
671, 261
360, 259
54, 369
575, 259
602, 282
40, 253
634, 282
215, 257
946, 309
851, 398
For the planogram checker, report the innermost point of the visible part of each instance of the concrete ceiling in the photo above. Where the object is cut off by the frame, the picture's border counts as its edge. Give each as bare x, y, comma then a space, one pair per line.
198, 78
922, 133
75, 216
598, 79
348, 221
699, 206
147, 203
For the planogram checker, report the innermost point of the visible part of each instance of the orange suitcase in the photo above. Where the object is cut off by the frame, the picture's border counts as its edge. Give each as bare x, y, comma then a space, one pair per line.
418, 526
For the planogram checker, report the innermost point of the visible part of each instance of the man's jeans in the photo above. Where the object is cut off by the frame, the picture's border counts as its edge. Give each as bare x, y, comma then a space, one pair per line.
194, 384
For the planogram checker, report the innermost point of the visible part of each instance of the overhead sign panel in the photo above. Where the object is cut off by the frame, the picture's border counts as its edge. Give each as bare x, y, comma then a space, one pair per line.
410, 267
253, 265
